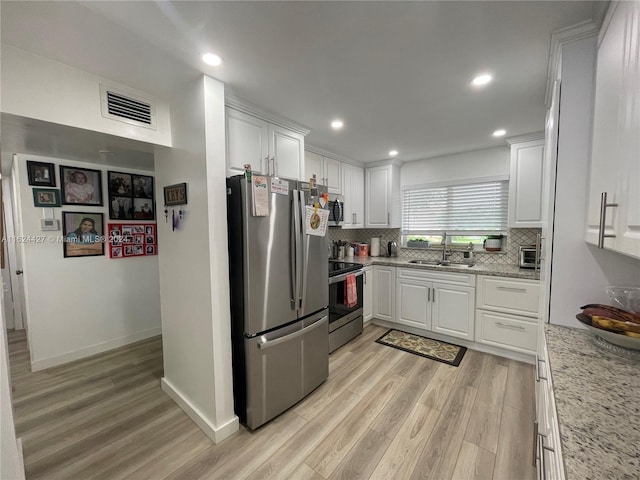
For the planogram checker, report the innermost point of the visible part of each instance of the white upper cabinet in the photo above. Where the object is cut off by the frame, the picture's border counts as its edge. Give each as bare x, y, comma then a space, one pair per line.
613, 220
382, 193
327, 171
526, 184
353, 191
270, 149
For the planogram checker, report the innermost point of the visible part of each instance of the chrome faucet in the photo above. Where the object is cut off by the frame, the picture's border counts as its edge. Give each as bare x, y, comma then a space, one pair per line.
445, 254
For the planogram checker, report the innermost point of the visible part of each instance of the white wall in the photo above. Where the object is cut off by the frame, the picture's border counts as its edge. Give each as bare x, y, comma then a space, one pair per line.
77, 307
580, 272
480, 163
37, 87
194, 282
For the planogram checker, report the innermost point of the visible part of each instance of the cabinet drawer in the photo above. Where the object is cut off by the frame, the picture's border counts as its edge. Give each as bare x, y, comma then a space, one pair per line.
507, 331
508, 295
463, 279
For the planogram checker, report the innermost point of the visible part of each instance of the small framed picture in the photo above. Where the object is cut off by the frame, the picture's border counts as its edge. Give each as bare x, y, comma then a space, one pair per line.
46, 197
151, 250
175, 194
143, 209
116, 251
41, 174
80, 186
128, 250
142, 186
127, 230
83, 234
138, 250
119, 184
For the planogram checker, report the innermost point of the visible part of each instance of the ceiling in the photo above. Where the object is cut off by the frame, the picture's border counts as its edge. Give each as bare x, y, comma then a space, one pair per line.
397, 73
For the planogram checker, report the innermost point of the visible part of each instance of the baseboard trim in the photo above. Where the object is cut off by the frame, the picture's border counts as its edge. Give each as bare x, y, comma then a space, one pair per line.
216, 434
56, 360
499, 352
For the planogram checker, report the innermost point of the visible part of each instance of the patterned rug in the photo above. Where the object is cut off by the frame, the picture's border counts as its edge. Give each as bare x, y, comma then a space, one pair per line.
423, 346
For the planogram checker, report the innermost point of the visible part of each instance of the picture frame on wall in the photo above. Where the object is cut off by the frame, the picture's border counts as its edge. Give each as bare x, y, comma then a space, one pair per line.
46, 197
83, 234
80, 186
119, 184
175, 194
41, 174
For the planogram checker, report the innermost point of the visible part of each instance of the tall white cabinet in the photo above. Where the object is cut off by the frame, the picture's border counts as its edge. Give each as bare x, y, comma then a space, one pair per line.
353, 191
270, 148
382, 197
613, 220
328, 171
526, 184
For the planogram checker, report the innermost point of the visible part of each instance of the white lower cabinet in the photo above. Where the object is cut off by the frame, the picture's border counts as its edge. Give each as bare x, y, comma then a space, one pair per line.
384, 301
436, 301
546, 439
367, 301
507, 313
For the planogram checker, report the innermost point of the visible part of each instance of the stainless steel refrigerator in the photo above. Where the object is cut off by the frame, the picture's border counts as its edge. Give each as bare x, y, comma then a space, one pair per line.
279, 298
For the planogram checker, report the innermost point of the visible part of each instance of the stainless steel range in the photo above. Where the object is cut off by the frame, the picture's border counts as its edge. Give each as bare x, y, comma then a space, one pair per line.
345, 319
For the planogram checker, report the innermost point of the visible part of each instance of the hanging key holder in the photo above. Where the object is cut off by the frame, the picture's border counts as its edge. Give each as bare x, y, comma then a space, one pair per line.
175, 196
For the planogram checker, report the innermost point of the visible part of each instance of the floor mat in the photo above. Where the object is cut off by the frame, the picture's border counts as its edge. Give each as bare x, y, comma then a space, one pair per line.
425, 347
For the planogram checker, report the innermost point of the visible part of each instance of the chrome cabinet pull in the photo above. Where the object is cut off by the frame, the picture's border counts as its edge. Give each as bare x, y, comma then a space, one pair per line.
267, 165
603, 216
535, 443
512, 327
512, 289
428, 294
388, 218
538, 376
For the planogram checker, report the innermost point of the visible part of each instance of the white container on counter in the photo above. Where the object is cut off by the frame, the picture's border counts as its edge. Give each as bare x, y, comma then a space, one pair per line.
375, 247
349, 251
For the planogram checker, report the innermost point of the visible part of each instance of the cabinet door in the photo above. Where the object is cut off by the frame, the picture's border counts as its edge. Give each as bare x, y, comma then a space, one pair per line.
333, 178
314, 165
526, 182
413, 303
367, 300
347, 181
287, 149
247, 142
378, 196
385, 293
452, 310
357, 197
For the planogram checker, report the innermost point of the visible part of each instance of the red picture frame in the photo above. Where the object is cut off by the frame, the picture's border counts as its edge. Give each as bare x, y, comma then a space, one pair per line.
127, 240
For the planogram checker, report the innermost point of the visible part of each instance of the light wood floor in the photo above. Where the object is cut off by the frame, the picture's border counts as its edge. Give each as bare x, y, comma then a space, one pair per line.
383, 414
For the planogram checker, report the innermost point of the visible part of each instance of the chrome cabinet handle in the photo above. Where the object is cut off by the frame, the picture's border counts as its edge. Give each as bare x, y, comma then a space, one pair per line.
535, 443
267, 165
428, 294
388, 218
512, 289
513, 327
603, 216
434, 295
538, 376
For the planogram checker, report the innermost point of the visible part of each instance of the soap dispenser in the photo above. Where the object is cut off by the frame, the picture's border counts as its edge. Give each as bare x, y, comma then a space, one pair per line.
467, 255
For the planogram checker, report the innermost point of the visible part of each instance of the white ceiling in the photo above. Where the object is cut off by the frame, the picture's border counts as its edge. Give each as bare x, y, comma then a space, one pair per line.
396, 72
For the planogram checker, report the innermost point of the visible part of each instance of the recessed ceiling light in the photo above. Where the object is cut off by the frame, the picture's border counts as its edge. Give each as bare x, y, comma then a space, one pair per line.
499, 133
393, 153
482, 79
212, 59
337, 124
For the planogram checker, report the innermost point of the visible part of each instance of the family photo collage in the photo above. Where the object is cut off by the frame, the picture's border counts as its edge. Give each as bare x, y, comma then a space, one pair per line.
130, 199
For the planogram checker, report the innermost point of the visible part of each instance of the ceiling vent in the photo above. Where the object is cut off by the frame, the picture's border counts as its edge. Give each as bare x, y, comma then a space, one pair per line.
126, 108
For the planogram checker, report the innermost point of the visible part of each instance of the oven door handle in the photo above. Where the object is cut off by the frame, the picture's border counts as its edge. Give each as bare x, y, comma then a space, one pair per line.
340, 278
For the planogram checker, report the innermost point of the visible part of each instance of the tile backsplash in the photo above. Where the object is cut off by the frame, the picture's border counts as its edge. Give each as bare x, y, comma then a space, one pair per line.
509, 255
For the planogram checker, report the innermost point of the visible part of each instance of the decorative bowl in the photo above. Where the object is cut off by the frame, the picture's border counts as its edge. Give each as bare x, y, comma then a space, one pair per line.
618, 339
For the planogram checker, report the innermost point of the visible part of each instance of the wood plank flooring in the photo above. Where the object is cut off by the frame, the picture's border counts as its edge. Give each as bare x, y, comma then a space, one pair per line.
382, 414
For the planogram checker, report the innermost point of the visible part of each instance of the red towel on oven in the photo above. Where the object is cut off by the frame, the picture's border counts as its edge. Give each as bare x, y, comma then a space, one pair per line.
350, 291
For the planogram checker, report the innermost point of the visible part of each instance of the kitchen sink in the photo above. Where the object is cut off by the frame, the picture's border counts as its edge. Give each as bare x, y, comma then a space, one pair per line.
434, 263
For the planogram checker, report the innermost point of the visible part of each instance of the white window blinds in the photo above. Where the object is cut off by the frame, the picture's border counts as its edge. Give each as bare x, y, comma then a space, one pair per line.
471, 209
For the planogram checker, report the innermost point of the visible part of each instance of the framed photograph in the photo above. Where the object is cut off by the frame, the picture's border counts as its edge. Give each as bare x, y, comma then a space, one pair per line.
143, 209
46, 197
119, 184
142, 186
128, 250
121, 208
41, 174
135, 239
151, 250
80, 186
116, 251
175, 194
83, 234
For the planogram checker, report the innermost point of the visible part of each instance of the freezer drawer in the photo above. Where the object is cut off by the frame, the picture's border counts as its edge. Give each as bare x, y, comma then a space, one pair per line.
284, 366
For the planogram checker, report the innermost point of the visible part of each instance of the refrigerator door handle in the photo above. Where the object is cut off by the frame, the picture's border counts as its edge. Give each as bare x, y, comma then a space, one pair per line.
293, 267
291, 336
297, 232
304, 250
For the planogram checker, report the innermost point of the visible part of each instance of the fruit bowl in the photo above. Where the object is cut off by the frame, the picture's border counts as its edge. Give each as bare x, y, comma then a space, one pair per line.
618, 339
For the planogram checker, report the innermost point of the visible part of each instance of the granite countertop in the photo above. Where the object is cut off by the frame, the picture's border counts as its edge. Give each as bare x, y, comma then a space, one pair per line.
597, 395
494, 270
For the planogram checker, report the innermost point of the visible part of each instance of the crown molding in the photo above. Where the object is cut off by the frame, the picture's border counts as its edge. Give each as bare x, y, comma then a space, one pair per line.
389, 161
263, 114
527, 137
335, 156
561, 37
